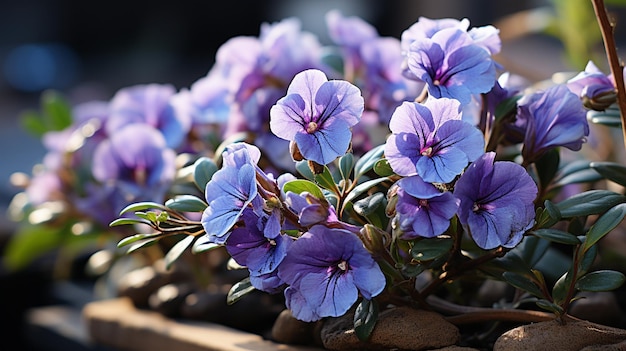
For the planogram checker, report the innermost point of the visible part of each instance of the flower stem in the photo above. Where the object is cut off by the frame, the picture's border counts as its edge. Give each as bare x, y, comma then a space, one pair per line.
617, 68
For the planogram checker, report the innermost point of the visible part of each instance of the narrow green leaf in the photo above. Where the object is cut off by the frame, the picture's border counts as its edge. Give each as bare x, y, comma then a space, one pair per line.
140, 206
299, 186
557, 236
186, 203
605, 223
137, 237
588, 258
367, 161
125, 221
239, 290
202, 244
174, 253
605, 280
365, 318
363, 187
589, 203
431, 248
204, 168
522, 282
141, 244
611, 171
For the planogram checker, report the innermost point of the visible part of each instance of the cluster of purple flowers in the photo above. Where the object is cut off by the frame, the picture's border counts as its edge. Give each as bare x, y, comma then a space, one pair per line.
440, 149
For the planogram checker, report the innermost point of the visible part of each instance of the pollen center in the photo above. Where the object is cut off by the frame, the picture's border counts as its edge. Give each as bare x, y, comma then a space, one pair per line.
427, 151
475, 207
343, 265
423, 203
311, 127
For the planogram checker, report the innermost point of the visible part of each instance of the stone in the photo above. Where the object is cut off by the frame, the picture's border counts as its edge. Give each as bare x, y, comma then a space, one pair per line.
574, 335
169, 298
289, 330
401, 328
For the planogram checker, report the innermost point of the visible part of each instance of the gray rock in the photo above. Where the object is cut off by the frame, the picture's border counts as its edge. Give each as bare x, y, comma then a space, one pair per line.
598, 307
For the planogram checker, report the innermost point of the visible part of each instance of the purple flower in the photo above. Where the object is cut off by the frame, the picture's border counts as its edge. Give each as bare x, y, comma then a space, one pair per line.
249, 247
595, 88
551, 118
496, 202
317, 114
423, 210
326, 269
135, 164
149, 104
229, 193
431, 140
452, 65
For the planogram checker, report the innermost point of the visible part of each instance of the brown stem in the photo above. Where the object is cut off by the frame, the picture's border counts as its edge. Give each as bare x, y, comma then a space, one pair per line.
617, 68
470, 314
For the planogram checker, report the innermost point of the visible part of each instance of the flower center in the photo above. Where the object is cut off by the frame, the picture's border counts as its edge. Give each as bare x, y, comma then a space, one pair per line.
436, 82
427, 151
311, 127
476, 207
423, 203
343, 265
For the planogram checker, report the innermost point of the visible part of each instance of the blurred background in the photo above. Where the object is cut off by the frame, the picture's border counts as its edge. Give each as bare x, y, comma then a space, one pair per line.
88, 50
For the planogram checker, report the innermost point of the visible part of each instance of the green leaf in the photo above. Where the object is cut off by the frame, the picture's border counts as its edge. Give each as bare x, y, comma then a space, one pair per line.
522, 282
202, 244
57, 110
137, 237
33, 123
609, 117
303, 168
141, 244
29, 243
589, 203
547, 167
363, 187
325, 180
431, 248
239, 290
186, 203
367, 161
588, 257
507, 106
607, 222
140, 206
368, 205
174, 253
125, 221
557, 236
382, 168
561, 287
549, 306
605, 280
584, 176
204, 168
346, 165
532, 249
611, 171
299, 186
365, 318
